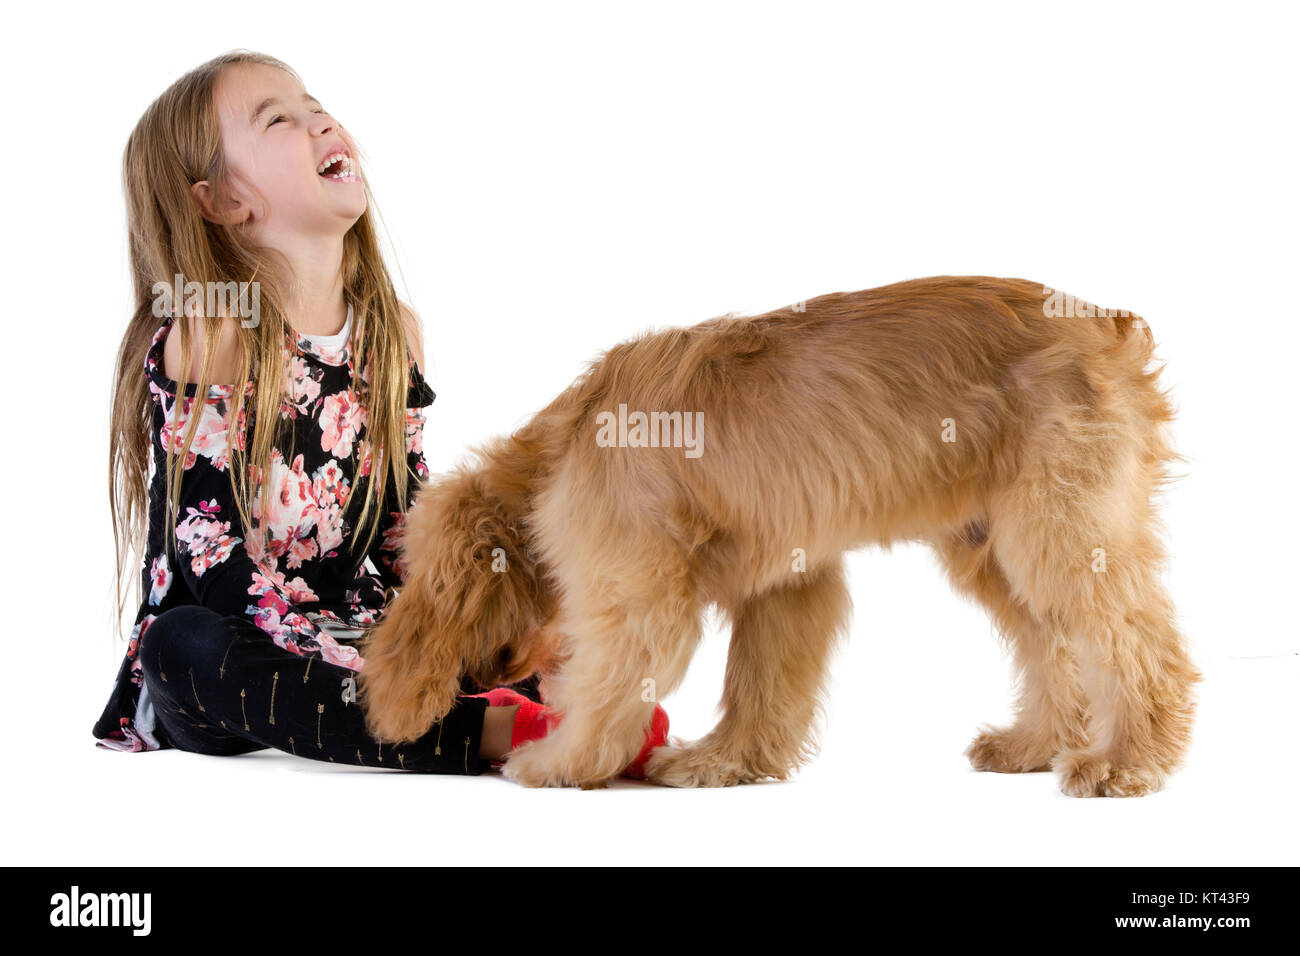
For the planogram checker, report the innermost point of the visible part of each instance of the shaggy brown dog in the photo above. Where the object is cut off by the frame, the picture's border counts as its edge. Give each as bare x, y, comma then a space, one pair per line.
1016, 430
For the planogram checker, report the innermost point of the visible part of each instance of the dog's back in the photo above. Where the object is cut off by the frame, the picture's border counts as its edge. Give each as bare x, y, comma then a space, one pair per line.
812, 417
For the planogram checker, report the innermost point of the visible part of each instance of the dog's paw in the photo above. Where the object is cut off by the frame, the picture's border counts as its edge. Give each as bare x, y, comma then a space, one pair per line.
533, 765
1007, 751
674, 765
1091, 775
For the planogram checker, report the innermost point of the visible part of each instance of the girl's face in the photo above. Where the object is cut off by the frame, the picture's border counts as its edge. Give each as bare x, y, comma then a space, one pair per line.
275, 136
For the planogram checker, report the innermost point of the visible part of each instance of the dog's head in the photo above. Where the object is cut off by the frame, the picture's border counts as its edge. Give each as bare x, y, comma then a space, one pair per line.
474, 601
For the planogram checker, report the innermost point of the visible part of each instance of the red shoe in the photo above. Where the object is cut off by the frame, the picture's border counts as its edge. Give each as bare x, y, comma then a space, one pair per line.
534, 721
656, 736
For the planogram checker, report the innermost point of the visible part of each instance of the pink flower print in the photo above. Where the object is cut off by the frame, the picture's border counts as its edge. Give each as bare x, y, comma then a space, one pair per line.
210, 437
414, 431
172, 434
302, 386
269, 616
300, 550
190, 457
330, 484
344, 655
392, 545
241, 442
268, 598
143, 626
329, 527
293, 513
133, 649
206, 538
270, 583
161, 576
394, 533
364, 617
341, 419
273, 613
126, 739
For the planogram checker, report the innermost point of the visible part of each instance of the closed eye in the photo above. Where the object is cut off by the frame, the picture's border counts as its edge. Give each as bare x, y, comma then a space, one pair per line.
278, 118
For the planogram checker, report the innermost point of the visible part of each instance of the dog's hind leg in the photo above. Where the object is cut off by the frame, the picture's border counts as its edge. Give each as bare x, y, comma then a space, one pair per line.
1050, 712
781, 643
1078, 540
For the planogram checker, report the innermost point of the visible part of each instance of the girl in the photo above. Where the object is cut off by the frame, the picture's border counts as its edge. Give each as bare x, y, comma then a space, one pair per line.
274, 518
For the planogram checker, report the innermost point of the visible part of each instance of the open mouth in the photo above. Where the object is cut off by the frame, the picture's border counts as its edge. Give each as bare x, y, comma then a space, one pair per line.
337, 166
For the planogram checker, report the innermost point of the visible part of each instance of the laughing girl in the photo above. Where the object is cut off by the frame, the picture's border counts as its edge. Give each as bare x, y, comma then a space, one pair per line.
267, 511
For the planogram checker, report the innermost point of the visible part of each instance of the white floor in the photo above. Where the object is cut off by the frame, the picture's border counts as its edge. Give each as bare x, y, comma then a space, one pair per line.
890, 787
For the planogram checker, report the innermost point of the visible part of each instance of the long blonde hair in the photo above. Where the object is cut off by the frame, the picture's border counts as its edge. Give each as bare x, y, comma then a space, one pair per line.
176, 143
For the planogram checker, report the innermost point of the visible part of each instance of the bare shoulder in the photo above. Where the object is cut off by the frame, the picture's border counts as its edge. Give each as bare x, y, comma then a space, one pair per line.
225, 367
414, 333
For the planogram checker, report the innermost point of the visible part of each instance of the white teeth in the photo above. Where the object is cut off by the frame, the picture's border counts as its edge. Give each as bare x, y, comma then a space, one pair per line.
345, 169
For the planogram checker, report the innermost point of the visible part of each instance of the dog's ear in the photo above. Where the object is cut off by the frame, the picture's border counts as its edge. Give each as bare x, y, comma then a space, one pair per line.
489, 584
471, 592
411, 675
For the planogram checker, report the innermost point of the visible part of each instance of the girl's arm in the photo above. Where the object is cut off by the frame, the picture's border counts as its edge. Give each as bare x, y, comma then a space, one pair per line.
385, 552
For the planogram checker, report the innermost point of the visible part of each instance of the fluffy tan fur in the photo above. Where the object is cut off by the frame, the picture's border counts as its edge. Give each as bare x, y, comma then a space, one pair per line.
1024, 446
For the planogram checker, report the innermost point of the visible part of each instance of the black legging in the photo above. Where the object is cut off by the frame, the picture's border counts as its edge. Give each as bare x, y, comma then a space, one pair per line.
221, 686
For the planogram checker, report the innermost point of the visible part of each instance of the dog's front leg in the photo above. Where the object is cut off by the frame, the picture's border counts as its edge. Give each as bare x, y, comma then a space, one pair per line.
781, 643
622, 656
586, 750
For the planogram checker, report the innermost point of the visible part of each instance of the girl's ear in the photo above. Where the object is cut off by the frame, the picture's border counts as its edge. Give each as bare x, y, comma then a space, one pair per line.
236, 210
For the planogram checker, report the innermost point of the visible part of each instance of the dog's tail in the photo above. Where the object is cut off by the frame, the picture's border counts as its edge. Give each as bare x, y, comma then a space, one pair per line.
1135, 334
1136, 342
1135, 350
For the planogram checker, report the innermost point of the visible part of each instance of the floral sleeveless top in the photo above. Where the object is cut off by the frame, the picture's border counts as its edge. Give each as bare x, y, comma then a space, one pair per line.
305, 590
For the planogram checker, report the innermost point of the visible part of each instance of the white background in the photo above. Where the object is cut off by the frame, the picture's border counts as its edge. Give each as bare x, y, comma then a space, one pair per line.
559, 177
